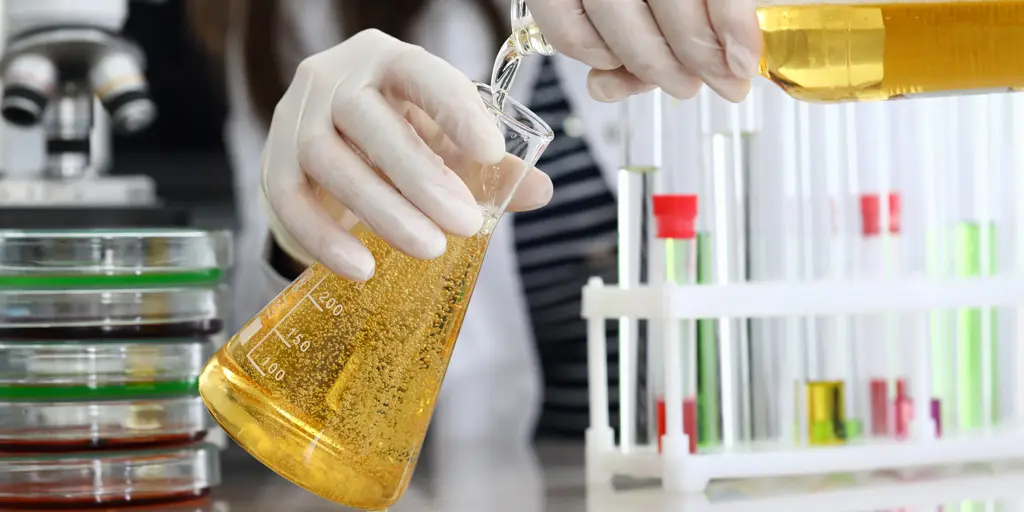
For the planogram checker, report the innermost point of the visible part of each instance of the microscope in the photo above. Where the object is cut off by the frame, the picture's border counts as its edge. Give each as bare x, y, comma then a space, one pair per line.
68, 72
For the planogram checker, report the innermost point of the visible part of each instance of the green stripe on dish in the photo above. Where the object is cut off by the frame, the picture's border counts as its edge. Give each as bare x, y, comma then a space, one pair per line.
212, 276
107, 392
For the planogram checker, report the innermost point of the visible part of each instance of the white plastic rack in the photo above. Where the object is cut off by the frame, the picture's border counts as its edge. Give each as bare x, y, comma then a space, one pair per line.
805, 280
668, 305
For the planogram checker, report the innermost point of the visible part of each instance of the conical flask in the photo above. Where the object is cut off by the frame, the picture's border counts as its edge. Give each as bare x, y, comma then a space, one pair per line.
333, 384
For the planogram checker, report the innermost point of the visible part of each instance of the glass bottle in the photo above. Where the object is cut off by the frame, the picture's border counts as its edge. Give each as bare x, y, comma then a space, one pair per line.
850, 50
878, 50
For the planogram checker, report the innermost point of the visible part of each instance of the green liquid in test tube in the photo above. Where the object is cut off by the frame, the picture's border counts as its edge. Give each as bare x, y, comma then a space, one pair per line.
675, 216
970, 379
707, 353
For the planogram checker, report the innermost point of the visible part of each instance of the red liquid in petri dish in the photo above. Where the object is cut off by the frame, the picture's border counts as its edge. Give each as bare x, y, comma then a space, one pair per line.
77, 495
90, 440
84, 480
203, 504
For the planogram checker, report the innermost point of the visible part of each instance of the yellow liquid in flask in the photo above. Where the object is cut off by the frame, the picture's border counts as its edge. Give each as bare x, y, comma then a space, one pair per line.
333, 384
864, 52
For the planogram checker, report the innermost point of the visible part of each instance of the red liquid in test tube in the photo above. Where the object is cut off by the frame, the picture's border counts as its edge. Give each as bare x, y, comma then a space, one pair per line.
879, 407
904, 411
689, 422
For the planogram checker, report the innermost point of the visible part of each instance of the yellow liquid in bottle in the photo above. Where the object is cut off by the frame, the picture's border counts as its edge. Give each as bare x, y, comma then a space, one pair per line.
863, 52
333, 384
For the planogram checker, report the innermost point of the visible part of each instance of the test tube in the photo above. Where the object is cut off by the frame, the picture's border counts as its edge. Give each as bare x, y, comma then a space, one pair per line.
681, 125
815, 394
708, 396
941, 192
824, 183
675, 216
1004, 199
641, 116
974, 251
973, 254
685, 158
828, 394
877, 253
919, 219
775, 237
728, 131
1015, 122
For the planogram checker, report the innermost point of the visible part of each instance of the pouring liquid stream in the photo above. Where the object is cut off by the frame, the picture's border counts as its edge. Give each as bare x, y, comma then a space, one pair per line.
503, 74
526, 39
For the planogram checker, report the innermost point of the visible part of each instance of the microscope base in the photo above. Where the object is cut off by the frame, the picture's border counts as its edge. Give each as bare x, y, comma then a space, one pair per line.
93, 218
108, 191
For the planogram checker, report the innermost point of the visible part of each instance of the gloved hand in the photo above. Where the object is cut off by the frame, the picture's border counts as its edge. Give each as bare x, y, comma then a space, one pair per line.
634, 46
371, 130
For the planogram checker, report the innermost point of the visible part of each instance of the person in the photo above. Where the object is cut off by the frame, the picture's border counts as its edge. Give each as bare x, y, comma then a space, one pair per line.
301, 153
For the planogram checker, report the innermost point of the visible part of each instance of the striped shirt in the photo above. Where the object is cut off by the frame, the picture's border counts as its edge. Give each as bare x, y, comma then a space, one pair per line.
559, 248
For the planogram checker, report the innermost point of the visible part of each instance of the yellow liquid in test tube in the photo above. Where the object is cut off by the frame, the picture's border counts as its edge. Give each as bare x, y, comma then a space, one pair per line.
826, 416
862, 52
334, 383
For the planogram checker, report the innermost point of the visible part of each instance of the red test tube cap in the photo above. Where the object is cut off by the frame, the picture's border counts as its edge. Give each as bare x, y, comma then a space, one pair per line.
870, 214
675, 216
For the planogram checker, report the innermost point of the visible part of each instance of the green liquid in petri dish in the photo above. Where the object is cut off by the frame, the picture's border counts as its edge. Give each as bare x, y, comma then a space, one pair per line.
100, 392
161, 279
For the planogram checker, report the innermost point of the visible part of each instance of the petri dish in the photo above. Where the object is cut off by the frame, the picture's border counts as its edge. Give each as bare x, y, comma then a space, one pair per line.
111, 313
60, 259
192, 505
81, 370
108, 478
61, 426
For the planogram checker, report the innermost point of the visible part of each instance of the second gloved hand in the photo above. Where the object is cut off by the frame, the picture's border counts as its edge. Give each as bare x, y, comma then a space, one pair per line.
371, 130
634, 46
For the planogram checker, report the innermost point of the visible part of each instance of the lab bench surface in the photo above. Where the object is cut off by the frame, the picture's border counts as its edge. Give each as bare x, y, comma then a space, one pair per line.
550, 479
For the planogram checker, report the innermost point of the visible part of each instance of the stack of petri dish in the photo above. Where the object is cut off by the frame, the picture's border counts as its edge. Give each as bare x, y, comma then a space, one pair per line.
103, 335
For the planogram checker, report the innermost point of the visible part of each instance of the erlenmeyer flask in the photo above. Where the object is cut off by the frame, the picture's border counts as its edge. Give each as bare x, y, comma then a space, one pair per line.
333, 384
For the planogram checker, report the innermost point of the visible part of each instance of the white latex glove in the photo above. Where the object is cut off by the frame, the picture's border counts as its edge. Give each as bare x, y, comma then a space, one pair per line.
371, 130
634, 46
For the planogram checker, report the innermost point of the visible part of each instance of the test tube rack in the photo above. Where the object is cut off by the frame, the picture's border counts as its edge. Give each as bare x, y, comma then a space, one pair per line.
668, 305
984, 489
916, 296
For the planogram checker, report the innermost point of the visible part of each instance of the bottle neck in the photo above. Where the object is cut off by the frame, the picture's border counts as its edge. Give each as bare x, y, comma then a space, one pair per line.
527, 38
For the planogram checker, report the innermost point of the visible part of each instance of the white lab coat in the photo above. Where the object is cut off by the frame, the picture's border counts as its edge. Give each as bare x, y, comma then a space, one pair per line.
493, 388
